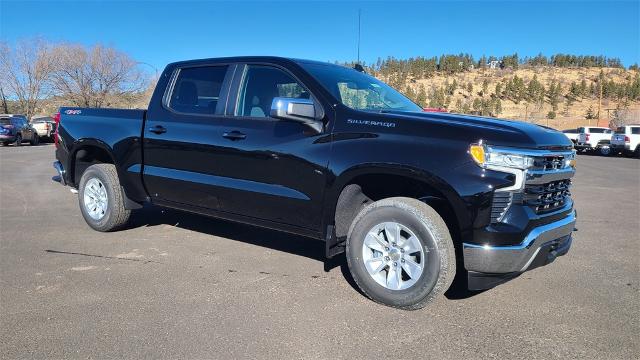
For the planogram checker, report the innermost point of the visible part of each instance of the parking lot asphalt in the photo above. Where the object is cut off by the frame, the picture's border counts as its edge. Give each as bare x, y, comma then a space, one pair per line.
176, 285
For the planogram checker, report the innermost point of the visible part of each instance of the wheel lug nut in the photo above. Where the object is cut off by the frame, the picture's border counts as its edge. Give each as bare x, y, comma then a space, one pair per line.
402, 250
386, 258
386, 249
402, 261
395, 264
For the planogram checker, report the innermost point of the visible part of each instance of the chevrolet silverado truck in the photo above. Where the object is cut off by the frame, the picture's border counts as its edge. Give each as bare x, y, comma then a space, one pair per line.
591, 138
331, 153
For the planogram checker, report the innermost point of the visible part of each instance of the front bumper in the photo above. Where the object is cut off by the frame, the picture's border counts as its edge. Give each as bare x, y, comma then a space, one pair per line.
620, 147
7, 138
518, 258
583, 146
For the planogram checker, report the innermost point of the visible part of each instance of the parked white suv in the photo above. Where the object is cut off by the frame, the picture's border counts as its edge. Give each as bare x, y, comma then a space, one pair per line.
572, 134
594, 137
626, 140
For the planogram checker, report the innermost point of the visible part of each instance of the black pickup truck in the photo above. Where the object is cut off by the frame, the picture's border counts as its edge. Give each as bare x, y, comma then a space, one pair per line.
331, 153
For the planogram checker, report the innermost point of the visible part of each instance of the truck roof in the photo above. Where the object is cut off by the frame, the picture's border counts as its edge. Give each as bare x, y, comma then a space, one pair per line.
270, 59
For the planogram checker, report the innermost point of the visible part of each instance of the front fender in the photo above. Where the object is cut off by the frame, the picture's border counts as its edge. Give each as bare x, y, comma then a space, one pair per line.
434, 186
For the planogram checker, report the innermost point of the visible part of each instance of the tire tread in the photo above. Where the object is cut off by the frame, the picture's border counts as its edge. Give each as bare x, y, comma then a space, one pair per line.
119, 216
440, 232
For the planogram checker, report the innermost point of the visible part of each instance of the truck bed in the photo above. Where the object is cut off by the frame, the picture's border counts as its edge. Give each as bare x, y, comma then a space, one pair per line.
117, 131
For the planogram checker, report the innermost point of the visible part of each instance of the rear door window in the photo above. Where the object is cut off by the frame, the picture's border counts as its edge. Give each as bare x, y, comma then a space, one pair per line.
197, 90
597, 131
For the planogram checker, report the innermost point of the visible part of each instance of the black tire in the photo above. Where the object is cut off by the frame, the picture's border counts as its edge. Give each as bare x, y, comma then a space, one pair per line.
115, 216
18, 140
432, 233
605, 150
35, 141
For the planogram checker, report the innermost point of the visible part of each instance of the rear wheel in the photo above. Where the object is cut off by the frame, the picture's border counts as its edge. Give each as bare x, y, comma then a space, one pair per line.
35, 140
400, 253
605, 150
101, 199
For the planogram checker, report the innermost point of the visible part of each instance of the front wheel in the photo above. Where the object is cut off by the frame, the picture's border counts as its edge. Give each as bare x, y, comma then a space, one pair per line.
400, 253
101, 199
605, 150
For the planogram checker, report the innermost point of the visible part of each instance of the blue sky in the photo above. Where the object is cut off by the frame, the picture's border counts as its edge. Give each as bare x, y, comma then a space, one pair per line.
164, 31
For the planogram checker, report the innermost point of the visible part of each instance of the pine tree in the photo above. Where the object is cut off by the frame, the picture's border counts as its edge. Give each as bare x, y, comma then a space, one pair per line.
485, 86
582, 89
498, 92
497, 106
421, 98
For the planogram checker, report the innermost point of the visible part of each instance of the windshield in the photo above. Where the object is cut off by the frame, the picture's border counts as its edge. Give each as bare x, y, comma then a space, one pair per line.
5, 121
359, 91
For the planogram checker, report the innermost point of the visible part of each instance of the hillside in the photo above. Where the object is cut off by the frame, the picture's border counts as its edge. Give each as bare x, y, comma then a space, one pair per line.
518, 99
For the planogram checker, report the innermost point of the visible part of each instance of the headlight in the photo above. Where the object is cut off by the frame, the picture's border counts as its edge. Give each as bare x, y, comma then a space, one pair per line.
487, 157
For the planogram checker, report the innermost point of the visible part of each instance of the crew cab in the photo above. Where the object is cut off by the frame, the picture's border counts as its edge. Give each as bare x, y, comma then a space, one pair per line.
626, 140
330, 153
592, 137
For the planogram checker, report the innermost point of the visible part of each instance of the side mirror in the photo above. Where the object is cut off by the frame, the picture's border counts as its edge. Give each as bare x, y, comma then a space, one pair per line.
301, 110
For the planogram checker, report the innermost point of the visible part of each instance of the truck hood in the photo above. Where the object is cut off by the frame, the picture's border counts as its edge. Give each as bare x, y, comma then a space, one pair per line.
493, 131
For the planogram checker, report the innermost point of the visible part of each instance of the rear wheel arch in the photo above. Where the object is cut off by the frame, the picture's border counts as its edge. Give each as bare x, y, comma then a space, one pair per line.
86, 154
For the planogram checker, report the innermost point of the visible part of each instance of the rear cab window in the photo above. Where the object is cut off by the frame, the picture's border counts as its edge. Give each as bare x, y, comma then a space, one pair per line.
635, 130
197, 90
597, 131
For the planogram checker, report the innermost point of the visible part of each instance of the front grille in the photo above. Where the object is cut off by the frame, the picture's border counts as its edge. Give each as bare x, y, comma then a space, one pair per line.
501, 202
549, 163
544, 198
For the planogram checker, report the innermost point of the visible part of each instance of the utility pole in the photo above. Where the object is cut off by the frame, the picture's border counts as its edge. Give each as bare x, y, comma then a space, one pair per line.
4, 102
599, 103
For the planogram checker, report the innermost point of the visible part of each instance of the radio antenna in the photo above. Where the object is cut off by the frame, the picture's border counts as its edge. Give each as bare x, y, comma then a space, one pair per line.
359, 13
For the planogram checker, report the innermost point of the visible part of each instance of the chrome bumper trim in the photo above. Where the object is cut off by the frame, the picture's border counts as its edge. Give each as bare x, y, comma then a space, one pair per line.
60, 169
515, 258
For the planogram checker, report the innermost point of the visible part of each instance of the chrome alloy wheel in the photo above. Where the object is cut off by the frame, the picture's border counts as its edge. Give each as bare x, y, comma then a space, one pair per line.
393, 256
95, 199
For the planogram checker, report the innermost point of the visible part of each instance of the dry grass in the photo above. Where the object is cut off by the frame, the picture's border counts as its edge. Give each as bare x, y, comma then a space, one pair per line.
566, 117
